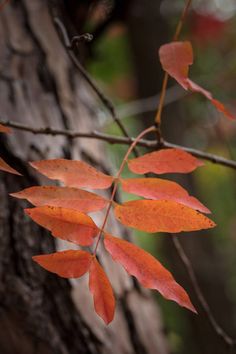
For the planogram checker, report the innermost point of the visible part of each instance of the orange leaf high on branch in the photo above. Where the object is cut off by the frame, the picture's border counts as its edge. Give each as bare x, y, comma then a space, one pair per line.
176, 57
165, 161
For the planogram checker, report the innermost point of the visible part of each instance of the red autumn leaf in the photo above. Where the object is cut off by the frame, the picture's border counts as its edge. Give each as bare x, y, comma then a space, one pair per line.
164, 161
175, 59
148, 270
4, 129
67, 264
100, 287
73, 173
67, 224
156, 188
65, 197
5, 167
161, 216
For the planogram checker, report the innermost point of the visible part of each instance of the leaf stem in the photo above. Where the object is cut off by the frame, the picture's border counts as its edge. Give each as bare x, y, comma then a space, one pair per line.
166, 76
181, 20
132, 146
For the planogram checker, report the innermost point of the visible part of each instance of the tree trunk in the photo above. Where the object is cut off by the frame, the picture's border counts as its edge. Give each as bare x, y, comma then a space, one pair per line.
40, 312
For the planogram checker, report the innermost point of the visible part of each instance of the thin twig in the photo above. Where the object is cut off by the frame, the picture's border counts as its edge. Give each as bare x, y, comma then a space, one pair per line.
181, 20
104, 99
116, 182
166, 76
113, 139
188, 266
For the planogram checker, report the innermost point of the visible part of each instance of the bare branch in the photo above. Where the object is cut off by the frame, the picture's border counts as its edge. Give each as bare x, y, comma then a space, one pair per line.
112, 139
188, 266
69, 45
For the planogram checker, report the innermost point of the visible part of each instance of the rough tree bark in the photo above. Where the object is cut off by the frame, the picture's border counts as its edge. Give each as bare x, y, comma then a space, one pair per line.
40, 312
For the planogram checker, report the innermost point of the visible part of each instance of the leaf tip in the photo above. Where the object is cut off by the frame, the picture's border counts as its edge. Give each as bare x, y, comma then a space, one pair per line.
189, 306
15, 195
36, 259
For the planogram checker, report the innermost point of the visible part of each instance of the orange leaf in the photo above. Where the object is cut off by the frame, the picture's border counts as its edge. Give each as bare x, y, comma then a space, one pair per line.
73, 173
4, 129
175, 59
147, 270
65, 197
5, 167
100, 287
67, 264
67, 224
156, 188
164, 161
161, 216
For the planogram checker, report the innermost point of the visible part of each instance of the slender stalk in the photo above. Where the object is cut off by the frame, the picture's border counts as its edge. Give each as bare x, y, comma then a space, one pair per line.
166, 76
132, 146
181, 20
162, 99
73, 56
231, 342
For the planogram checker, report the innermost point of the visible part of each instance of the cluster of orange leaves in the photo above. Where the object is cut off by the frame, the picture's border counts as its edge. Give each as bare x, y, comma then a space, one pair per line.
63, 211
167, 207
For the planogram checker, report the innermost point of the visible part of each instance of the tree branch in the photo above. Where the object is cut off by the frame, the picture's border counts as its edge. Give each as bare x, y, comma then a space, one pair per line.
112, 139
188, 266
70, 45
